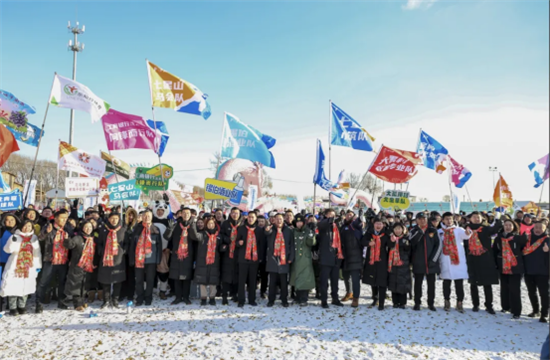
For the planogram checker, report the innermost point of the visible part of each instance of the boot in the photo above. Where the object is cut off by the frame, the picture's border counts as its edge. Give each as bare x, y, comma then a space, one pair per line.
203, 302
100, 294
355, 302
177, 301
21, 311
91, 296
162, 295
224, 301
13, 312
459, 307
212, 301
374, 303
106, 300
348, 297
79, 308
447, 306
39, 308
336, 302
535, 313
491, 311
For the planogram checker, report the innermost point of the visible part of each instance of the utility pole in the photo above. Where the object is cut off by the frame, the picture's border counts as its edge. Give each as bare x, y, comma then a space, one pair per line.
75, 48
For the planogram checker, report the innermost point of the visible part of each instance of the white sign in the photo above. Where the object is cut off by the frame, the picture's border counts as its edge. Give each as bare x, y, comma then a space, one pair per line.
81, 187
31, 197
252, 197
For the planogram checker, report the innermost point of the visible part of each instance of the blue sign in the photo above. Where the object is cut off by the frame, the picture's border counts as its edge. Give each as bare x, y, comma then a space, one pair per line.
125, 190
11, 200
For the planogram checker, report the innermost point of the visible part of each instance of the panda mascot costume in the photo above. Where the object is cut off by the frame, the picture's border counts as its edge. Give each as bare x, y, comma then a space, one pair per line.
161, 219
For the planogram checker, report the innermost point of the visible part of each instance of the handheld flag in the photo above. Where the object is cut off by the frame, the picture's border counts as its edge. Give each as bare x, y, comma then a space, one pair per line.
30, 136
13, 112
73, 159
8, 144
433, 154
460, 175
540, 170
395, 166
162, 132
319, 177
502, 195
345, 131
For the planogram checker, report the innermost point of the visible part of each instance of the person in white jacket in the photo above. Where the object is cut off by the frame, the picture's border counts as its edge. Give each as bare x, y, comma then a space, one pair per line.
453, 260
19, 277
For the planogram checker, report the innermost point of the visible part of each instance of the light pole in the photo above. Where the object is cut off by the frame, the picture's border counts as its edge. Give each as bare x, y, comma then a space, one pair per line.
75, 48
493, 169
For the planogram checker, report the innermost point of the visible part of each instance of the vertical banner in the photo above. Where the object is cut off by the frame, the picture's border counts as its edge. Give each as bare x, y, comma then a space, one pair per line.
32, 192
252, 197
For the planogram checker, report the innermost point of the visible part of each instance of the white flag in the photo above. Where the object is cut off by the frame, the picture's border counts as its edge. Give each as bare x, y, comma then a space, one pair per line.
73, 159
73, 95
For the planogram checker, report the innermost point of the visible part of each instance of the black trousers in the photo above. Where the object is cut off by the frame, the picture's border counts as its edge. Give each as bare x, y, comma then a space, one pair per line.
459, 289
539, 282
379, 293
510, 293
129, 285
418, 279
332, 273
145, 276
301, 296
399, 299
488, 292
183, 289
283, 281
229, 289
263, 278
355, 282
107, 291
50, 272
248, 275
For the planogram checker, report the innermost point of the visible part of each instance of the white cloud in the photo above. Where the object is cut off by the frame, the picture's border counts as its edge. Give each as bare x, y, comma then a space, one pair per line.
418, 4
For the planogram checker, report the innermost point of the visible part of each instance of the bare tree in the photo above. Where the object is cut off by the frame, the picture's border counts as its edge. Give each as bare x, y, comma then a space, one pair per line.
45, 172
369, 183
446, 198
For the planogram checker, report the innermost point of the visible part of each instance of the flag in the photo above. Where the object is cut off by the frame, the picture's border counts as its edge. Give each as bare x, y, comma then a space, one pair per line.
73, 159
8, 144
3, 185
30, 136
70, 94
169, 91
13, 112
252, 197
456, 203
502, 195
319, 177
433, 154
126, 131
395, 166
460, 175
244, 142
31, 195
345, 131
540, 170
162, 133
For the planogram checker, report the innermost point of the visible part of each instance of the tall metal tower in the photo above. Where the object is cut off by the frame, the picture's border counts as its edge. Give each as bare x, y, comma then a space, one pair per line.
75, 48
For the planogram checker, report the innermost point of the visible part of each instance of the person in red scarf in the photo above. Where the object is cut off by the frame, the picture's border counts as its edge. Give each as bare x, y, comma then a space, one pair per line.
453, 260
375, 270
280, 254
535, 258
144, 255
55, 258
351, 233
230, 265
110, 247
207, 268
507, 249
263, 275
399, 274
330, 257
526, 225
482, 269
21, 269
251, 249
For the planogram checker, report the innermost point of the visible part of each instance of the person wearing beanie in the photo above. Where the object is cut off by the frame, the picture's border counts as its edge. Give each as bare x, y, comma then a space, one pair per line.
351, 232
526, 225
375, 271
302, 276
230, 265
399, 274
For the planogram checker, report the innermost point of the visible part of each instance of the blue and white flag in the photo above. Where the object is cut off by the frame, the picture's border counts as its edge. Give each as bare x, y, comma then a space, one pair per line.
540, 170
433, 154
345, 131
3, 185
31, 136
244, 142
319, 176
162, 134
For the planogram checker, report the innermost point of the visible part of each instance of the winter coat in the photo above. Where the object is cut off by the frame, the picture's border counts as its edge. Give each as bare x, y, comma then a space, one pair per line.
448, 270
426, 249
328, 256
273, 264
516, 244
76, 275
350, 236
399, 279
242, 234
117, 273
156, 245
47, 238
230, 266
536, 263
206, 274
181, 269
482, 269
377, 273
302, 276
16, 286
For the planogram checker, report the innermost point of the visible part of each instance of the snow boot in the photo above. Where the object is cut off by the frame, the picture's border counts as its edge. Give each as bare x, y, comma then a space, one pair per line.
447, 306
203, 302
224, 301
162, 295
355, 302
91, 296
535, 313
212, 302
459, 307
14, 312
348, 297
416, 307
21, 311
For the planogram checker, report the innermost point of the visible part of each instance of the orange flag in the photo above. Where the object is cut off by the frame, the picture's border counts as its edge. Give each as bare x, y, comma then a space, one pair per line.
502, 195
8, 144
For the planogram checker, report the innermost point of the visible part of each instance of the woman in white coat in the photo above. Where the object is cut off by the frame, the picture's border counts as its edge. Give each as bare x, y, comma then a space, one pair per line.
19, 277
453, 260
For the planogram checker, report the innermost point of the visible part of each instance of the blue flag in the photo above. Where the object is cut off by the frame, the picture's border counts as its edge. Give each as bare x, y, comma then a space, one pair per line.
160, 128
345, 131
433, 154
5, 187
31, 136
319, 177
244, 142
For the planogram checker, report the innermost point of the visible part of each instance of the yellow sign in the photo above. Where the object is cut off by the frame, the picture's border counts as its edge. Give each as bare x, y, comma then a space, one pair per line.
343, 185
395, 200
218, 189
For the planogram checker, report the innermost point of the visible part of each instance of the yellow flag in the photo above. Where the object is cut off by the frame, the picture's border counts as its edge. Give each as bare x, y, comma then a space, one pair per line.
502, 195
167, 90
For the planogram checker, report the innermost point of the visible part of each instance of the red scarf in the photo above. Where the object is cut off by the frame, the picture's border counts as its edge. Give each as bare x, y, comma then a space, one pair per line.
449, 245
251, 246
60, 254
144, 246
86, 261
375, 251
111, 248
233, 238
280, 248
528, 249
474, 245
395, 257
211, 251
24, 258
508, 258
183, 248
336, 242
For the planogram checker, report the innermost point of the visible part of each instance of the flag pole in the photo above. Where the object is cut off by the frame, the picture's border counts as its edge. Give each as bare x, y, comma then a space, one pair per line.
363, 178
541, 191
469, 198
329, 139
116, 175
418, 143
450, 172
499, 184
314, 197
40, 140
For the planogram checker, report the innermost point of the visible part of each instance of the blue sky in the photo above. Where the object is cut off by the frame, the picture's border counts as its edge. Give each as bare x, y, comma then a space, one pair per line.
276, 65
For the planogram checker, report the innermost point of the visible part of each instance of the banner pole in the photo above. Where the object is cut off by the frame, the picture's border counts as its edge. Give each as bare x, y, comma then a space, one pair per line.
116, 175
469, 198
541, 190
329, 139
363, 178
450, 172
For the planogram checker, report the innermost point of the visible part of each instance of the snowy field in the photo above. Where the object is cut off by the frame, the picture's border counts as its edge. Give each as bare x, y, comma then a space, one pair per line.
162, 331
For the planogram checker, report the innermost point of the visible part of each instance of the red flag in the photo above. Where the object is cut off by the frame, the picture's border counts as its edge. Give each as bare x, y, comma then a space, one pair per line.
8, 144
395, 166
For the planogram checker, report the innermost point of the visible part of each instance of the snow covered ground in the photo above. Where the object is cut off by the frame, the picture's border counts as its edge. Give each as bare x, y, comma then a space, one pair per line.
162, 331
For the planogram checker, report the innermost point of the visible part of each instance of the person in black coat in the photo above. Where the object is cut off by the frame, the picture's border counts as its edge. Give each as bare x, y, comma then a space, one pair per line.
535, 258
280, 254
399, 275
426, 249
230, 265
182, 257
375, 271
507, 250
351, 234
251, 252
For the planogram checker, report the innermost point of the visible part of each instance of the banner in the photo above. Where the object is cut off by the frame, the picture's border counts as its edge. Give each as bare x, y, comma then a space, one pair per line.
162, 133
345, 131
460, 175
74, 159
502, 195
395, 166
124, 190
433, 154
3, 185
252, 197
81, 187
148, 179
126, 131
395, 200
122, 168
13, 112
319, 177
540, 170
224, 190
31, 197
11, 201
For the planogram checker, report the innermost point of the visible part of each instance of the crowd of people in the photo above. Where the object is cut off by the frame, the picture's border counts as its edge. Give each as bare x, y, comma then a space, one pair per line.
117, 256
